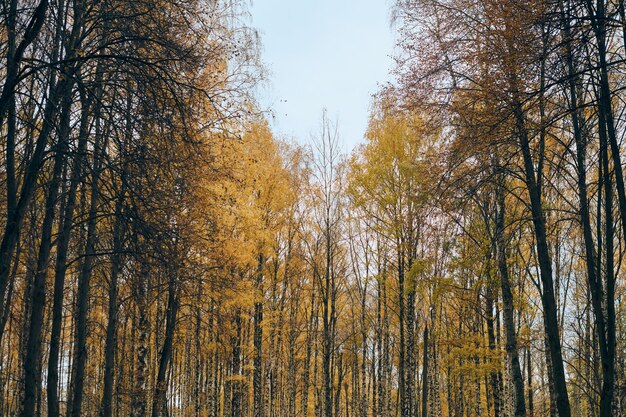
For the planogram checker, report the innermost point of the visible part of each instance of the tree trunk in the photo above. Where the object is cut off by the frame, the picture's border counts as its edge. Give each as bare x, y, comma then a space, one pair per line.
138, 403
425, 375
60, 271
551, 325
605, 325
257, 385
32, 363
494, 376
82, 298
402, 326
159, 401
508, 307
111, 331
310, 334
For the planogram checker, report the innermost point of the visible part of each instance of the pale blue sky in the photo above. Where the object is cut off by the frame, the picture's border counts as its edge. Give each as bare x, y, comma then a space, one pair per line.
323, 53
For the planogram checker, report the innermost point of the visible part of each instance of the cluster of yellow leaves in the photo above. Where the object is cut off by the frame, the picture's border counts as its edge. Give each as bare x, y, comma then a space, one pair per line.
390, 173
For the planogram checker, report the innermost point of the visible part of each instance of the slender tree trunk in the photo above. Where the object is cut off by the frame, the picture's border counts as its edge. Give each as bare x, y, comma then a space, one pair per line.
159, 401
508, 307
237, 387
529, 371
425, 386
340, 374
410, 349
402, 327
291, 367
310, 334
494, 377
364, 406
606, 332
142, 325
381, 407
60, 271
551, 325
111, 331
82, 298
258, 344
32, 363
327, 332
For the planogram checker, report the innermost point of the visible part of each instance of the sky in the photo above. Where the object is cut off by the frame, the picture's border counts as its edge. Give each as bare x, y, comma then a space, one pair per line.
329, 54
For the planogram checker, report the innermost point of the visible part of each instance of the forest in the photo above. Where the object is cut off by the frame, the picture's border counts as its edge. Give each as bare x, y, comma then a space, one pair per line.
164, 252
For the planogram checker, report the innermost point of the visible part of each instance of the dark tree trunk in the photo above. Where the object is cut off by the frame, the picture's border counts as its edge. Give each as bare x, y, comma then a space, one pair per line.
494, 376
257, 385
548, 300
508, 307
605, 324
32, 363
111, 331
237, 389
159, 402
60, 270
410, 350
425, 386
402, 326
310, 334
606, 329
82, 298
